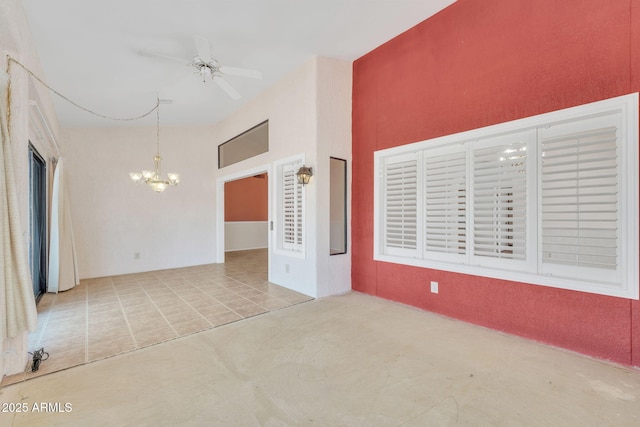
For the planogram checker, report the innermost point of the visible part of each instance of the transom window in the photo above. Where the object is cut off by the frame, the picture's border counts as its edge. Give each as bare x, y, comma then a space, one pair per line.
248, 144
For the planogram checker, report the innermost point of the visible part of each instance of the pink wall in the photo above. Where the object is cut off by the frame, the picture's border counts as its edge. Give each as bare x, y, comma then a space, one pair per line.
247, 199
475, 64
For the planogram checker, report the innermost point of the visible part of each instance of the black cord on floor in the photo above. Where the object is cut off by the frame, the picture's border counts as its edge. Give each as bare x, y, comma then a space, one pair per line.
38, 356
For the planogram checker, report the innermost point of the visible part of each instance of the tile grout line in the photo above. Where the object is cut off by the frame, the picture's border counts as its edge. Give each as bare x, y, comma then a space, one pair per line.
124, 314
229, 290
158, 308
86, 334
190, 306
282, 300
253, 302
278, 298
215, 299
45, 323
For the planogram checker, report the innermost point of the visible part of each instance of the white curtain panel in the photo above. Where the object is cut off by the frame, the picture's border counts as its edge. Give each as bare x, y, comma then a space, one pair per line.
63, 273
18, 308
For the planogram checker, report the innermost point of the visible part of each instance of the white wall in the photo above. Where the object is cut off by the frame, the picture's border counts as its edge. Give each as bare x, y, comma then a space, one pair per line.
334, 140
309, 113
243, 235
114, 219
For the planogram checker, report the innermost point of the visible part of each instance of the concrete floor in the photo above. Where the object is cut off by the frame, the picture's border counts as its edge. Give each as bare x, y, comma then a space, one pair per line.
352, 360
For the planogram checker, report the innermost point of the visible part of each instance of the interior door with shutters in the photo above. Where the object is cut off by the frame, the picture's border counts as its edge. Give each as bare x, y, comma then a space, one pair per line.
38, 222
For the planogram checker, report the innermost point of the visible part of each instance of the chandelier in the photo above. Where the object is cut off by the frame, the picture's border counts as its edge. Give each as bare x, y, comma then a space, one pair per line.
154, 178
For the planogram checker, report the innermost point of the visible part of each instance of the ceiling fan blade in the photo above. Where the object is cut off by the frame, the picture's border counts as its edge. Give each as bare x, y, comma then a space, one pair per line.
202, 47
243, 72
161, 56
224, 85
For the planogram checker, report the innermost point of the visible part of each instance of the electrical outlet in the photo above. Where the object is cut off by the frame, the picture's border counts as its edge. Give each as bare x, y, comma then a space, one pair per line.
136, 255
434, 287
286, 268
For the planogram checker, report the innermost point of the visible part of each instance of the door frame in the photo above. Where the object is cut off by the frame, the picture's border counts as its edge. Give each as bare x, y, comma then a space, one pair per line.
220, 181
35, 158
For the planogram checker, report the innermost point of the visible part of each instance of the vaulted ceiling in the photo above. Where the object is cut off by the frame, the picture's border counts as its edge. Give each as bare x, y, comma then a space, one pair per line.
115, 57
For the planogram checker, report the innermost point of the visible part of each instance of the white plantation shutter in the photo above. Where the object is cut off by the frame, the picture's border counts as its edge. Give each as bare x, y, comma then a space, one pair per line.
289, 206
292, 208
500, 198
580, 197
445, 213
400, 205
550, 200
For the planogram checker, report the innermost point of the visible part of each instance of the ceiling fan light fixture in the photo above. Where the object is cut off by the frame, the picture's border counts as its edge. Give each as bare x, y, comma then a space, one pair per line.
205, 71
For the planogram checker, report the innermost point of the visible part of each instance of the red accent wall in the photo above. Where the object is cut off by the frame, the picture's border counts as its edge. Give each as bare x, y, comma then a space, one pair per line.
247, 199
475, 64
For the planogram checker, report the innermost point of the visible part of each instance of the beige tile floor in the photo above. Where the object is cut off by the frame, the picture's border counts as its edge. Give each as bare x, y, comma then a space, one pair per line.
351, 360
107, 316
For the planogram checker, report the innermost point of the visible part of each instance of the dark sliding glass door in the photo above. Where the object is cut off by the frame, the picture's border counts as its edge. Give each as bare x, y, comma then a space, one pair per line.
38, 221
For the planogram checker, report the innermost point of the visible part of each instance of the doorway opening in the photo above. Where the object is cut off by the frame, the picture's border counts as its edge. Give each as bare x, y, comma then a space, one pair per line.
246, 213
246, 220
37, 222
243, 207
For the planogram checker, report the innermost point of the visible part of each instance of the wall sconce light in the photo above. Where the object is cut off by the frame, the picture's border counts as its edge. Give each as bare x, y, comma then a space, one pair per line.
304, 175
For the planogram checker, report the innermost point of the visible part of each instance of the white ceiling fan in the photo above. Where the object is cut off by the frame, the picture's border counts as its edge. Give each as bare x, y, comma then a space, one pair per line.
210, 69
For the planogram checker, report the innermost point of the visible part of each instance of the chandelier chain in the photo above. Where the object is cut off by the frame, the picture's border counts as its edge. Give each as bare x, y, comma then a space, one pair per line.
158, 126
123, 119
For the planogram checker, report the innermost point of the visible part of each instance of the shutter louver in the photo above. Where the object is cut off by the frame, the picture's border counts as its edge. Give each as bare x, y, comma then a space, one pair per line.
445, 202
289, 208
292, 208
400, 205
298, 211
499, 201
580, 199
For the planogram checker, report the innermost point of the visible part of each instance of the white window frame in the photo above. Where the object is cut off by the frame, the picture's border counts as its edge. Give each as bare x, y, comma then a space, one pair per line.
298, 248
625, 285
